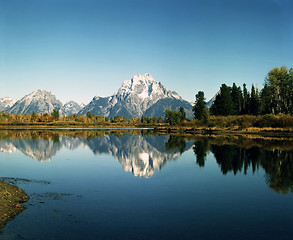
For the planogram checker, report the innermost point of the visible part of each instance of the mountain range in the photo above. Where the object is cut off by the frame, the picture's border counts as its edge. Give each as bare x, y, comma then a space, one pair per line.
141, 95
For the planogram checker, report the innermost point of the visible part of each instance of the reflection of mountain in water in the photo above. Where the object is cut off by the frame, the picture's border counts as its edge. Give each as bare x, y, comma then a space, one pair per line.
143, 155
42, 149
137, 154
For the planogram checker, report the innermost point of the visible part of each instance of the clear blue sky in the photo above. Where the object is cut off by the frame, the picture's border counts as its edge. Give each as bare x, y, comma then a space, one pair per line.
79, 49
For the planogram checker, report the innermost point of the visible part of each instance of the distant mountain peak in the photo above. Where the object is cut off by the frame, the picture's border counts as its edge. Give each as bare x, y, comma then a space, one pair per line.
70, 108
134, 98
6, 103
40, 92
39, 101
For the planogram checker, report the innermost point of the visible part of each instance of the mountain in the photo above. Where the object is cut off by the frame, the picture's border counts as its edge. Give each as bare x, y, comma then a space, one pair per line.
40, 101
82, 105
157, 109
141, 95
71, 108
135, 98
211, 101
6, 103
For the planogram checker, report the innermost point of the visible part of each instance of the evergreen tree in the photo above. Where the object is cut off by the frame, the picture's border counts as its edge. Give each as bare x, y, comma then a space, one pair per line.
182, 114
267, 103
245, 103
223, 104
254, 104
199, 106
237, 99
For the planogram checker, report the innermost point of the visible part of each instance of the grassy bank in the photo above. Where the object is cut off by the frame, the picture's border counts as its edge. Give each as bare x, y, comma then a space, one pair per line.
185, 130
243, 124
270, 125
11, 198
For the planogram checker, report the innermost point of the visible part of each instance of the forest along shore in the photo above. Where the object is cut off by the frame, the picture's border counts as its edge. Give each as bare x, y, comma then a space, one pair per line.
11, 198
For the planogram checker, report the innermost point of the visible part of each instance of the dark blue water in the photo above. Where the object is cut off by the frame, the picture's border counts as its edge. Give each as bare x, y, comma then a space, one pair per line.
146, 187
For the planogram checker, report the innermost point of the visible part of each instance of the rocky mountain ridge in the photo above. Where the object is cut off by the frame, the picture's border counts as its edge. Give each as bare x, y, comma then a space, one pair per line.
141, 95
135, 97
40, 101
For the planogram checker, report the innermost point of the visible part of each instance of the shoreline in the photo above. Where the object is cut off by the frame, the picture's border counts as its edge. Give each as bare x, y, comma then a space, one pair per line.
11, 199
167, 129
194, 131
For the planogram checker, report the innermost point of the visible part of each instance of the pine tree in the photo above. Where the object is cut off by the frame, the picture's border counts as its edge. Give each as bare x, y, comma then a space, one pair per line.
199, 105
237, 99
254, 104
267, 103
245, 103
223, 104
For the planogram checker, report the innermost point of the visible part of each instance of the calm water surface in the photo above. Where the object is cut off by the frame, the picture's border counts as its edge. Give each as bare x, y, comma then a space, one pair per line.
134, 185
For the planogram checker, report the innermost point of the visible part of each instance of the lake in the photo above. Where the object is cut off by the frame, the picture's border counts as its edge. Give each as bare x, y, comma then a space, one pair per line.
133, 184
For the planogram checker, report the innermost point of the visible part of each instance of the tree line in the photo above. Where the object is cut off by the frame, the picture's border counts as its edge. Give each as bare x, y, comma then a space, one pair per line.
75, 119
275, 97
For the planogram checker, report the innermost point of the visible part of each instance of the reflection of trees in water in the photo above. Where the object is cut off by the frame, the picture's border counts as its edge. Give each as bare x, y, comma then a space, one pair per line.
201, 149
278, 164
175, 143
279, 170
233, 158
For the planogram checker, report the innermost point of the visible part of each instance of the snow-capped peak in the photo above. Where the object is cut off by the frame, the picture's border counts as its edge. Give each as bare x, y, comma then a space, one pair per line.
40, 92
6, 103
144, 87
139, 79
135, 97
142, 78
